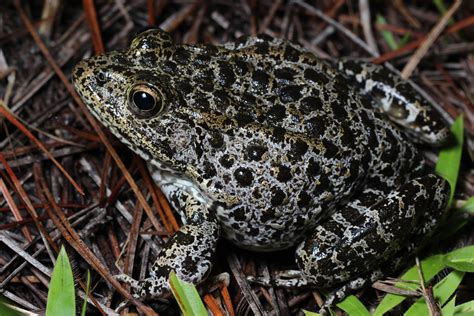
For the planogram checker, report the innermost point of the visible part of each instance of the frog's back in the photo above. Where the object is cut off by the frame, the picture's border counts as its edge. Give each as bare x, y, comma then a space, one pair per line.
293, 138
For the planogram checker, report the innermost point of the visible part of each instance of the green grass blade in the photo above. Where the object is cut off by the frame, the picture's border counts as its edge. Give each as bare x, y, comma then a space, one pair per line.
387, 35
448, 309
442, 292
430, 266
187, 297
465, 308
442, 8
450, 158
469, 205
353, 306
88, 287
61, 297
7, 308
308, 313
461, 259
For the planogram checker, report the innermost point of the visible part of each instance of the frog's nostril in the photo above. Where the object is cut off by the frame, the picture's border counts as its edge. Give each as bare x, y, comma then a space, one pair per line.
101, 77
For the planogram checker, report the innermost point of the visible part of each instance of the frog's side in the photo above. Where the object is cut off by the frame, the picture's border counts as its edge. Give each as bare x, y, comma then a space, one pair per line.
262, 143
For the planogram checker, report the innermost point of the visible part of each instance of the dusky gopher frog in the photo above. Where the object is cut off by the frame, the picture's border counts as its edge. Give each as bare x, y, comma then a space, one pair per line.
264, 144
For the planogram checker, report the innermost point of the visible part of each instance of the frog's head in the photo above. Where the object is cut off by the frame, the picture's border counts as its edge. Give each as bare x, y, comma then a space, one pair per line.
129, 94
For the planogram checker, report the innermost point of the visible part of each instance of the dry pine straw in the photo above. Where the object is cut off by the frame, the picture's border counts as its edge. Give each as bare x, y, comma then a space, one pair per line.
29, 182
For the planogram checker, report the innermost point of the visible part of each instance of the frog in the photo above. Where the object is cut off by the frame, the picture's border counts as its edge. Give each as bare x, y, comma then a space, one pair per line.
262, 143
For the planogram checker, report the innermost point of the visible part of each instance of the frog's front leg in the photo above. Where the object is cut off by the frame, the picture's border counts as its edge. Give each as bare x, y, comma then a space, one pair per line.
189, 252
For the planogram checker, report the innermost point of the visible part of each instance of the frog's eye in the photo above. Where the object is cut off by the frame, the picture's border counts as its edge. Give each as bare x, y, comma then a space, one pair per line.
145, 101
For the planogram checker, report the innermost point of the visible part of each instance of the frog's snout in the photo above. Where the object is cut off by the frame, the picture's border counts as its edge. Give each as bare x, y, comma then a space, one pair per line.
78, 74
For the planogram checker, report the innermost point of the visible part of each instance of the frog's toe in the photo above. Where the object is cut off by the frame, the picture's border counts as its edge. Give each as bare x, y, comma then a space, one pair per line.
150, 287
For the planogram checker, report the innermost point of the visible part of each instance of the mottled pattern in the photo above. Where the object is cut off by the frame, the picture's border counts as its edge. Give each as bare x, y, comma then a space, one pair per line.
263, 143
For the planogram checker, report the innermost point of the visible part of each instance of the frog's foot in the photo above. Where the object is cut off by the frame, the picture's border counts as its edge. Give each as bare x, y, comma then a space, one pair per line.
151, 287
188, 253
357, 239
399, 100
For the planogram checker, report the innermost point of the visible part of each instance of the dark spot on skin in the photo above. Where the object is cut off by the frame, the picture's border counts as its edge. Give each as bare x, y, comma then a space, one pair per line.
338, 110
243, 119
284, 173
278, 134
256, 193
316, 77
241, 40
241, 67
276, 235
202, 103
347, 136
248, 100
226, 161
243, 176
303, 199
202, 59
206, 85
255, 152
216, 140
181, 55
226, 74
267, 215
278, 196
260, 79
235, 226
227, 122
169, 67
184, 87
254, 232
276, 113
221, 98
290, 94
299, 148
121, 59
310, 104
291, 54
313, 169
355, 67
239, 214
316, 126
287, 74
264, 37
210, 49
209, 170
78, 71
331, 149
261, 48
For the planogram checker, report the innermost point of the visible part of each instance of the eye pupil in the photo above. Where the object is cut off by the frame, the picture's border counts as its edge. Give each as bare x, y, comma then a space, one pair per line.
144, 101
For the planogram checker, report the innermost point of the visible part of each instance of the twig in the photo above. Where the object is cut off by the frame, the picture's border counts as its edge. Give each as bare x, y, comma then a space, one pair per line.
428, 293
10, 117
366, 25
432, 36
91, 17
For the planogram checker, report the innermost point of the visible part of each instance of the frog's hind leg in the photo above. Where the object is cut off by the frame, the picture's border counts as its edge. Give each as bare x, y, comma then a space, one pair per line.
357, 239
188, 252
348, 248
397, 98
